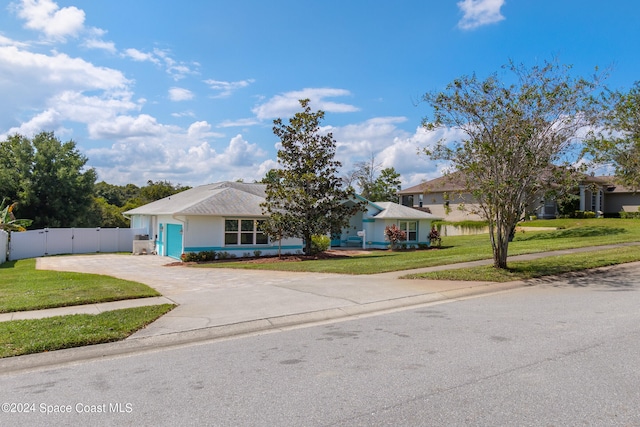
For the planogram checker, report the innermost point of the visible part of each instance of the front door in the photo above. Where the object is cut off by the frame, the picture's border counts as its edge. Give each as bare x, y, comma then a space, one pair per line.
174, 240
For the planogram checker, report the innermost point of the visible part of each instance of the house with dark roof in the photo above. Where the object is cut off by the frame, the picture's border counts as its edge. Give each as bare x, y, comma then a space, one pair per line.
448, 197
226, 217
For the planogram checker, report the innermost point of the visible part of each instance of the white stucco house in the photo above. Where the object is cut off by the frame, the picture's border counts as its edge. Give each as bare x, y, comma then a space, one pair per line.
225, 217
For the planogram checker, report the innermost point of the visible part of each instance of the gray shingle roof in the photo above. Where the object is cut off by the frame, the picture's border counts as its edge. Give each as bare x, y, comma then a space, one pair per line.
222, 198
240, 199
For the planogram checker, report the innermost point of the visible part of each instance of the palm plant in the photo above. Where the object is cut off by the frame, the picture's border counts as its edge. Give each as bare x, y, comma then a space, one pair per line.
8, 221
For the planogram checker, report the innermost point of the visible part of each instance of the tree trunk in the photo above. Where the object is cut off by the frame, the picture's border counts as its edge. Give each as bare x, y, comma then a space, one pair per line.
307, 245
500, 244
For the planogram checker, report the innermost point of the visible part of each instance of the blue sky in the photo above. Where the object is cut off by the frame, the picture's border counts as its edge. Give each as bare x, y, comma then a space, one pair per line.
187, 91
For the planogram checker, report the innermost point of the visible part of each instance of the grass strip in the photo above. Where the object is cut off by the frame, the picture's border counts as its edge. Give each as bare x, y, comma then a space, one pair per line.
19, 337
549, 266
23, 288
571, 233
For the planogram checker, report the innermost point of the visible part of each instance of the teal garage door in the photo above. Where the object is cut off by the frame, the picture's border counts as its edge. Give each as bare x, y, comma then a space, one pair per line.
174, 240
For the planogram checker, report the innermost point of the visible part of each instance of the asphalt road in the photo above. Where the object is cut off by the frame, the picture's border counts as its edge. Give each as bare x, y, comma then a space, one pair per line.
559, 353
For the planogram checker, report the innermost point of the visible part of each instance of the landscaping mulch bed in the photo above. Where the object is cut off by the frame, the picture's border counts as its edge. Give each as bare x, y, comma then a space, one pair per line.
330, 254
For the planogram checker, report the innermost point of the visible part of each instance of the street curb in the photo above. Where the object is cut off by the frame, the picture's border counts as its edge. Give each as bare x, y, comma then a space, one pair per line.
130, 346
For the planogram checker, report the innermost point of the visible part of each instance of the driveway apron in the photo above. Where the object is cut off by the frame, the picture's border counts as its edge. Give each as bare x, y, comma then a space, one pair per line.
209, 297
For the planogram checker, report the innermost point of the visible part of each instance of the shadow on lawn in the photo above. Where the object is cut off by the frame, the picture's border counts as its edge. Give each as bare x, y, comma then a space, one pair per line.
589, 231
618, 279
8, 264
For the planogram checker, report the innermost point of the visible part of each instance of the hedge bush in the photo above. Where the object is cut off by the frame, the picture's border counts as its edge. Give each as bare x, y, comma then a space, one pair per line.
198, 256
319, 244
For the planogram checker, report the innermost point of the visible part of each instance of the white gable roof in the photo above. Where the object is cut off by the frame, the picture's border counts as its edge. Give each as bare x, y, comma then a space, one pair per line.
392, 210
222, 198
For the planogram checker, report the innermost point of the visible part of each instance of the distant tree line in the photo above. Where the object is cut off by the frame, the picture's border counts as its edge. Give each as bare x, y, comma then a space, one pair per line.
46, 181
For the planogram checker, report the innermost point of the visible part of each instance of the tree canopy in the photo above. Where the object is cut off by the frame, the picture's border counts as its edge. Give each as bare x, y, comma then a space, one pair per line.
516, 138
47, 182
307, 197
375, 184
47, 178
618, 142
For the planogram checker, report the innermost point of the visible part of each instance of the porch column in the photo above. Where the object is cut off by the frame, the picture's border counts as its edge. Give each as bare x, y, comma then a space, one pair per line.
582, 201
598, 203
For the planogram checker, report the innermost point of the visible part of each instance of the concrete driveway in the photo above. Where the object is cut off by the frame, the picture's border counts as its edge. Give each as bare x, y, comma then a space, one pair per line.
213, 297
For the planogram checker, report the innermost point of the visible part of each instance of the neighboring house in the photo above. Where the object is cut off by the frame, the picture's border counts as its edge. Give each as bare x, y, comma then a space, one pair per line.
226, 216
446, 197
376, 217
614, 198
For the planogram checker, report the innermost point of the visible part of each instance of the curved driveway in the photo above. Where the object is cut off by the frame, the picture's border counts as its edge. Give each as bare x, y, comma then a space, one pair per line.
210, 297
247, 300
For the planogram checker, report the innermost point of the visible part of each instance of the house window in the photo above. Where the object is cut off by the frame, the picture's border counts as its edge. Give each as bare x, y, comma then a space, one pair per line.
410, 228
244, 232
407, 200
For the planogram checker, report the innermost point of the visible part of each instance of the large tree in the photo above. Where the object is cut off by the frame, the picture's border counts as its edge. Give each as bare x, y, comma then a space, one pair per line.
618, 142
375, 184
47, 178
513, 136
306, 198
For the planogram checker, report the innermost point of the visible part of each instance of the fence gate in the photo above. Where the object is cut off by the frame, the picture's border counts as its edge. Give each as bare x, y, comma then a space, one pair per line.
57, 241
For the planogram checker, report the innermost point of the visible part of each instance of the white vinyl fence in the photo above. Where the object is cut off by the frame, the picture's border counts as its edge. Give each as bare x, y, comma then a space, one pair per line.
57, 241
4, 246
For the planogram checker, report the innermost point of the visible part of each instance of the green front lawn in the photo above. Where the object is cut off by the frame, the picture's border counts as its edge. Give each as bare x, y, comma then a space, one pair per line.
22, 288
573, 233
548, 266
20, 337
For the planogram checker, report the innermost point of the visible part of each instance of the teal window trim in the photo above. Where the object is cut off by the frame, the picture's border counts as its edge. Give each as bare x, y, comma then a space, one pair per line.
240, 248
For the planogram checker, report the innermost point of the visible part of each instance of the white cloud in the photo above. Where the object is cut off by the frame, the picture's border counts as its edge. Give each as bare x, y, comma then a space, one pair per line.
177, 70
227, 88
241, 153
183, 114
53, 21
100, 44
201, 130
123, 127
57, 70
180, 94
359, 141
286, 105
49, 119
39, 82
5, 41
477, 13
238, 123
140, 56
193, 162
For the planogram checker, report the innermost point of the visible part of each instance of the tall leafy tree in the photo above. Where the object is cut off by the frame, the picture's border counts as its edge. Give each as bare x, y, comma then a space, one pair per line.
307, 198
618, 143
48, 178
156, 190
513, 135
375, 184
385, 187
116, 195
